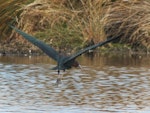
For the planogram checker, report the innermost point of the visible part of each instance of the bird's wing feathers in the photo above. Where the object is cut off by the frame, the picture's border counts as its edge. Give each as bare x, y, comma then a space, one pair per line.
44, 47
88, 48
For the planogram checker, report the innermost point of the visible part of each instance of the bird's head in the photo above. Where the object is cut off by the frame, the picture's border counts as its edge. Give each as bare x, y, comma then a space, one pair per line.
71, 63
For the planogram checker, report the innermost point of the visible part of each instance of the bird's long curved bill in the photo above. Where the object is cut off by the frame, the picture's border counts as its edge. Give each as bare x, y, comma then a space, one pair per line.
80, 67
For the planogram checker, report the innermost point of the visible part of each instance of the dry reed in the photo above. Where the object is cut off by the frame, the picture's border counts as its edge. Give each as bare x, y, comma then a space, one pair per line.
10, 9
69, 23
132, 18
63, 22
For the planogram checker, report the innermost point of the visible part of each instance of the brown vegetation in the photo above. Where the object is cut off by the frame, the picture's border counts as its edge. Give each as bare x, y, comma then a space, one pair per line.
10, 9
70, 23
65, 22
132, 18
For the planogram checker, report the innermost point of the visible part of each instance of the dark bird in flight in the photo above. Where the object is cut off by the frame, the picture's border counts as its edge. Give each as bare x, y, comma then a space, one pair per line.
63, 62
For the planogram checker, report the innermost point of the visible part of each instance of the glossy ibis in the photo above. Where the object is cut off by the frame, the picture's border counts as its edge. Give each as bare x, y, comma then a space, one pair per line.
63, 62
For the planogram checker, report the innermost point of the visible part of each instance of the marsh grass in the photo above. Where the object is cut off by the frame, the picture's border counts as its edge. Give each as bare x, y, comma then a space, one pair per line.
65, 24
71, 23
132, 19
9, 10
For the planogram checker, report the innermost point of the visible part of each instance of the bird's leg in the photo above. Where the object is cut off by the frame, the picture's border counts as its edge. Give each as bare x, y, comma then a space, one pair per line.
59, 78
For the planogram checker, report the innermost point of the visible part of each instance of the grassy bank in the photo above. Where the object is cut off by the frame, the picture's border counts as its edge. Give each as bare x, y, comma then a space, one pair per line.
71, 24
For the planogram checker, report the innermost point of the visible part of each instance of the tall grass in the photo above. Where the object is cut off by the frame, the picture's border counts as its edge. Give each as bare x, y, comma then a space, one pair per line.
132, 19
10, 9
70, 23
64, 23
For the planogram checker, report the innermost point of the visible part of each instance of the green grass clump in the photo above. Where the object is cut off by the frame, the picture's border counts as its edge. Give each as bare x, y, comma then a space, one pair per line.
61, 36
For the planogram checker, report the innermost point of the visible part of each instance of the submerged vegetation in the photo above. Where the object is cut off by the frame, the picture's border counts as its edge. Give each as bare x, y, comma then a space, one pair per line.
69, 24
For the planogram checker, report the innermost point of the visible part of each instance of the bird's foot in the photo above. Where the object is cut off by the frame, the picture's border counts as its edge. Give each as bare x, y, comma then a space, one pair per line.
58, 81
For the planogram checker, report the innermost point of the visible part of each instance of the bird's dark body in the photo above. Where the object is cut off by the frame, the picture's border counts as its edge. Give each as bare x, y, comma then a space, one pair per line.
62, 65
64, 62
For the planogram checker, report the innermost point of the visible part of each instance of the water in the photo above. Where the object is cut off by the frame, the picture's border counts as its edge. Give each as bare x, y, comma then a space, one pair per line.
106, 84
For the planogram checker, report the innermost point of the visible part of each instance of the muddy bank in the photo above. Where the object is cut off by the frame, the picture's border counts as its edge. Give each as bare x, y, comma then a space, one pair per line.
17, 48
26, 49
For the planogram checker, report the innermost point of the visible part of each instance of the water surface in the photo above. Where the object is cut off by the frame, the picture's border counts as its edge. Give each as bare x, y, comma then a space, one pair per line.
106, 84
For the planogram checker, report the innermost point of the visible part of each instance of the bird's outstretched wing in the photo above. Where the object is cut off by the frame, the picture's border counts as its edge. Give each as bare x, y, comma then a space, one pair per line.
89, 48
44, 47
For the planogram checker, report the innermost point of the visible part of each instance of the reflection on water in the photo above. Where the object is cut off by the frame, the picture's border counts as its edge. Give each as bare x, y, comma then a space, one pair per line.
107, 84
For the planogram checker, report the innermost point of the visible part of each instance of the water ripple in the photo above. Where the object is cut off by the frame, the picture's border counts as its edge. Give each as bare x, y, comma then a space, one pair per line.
31, 88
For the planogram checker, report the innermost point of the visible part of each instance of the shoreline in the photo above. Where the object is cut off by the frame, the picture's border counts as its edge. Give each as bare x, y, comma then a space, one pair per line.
27, 49
97, 51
